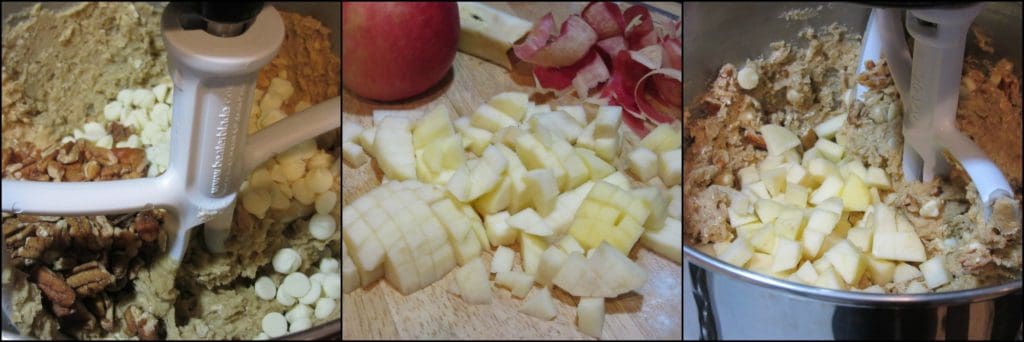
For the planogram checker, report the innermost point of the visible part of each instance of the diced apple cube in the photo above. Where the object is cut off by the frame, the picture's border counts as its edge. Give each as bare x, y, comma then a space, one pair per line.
670, 167
796, 194
828, 128
576, 112
931, 208
490, 118
820, 168
855, 194
807, 273
822, 220
853, 167
607, 122
876, 177
821, 265
543, 187
798, 175
905, 272
790, 223
748, 175
829, 150
860, 237
757, 189
786, 255
916, 287
829, 279
767, 210
643, 162
738, 253
551, 262
354, 154
719, 247
590, 316
874, 289
903, 246
569, 244
503, 259
747, 231
811, 243
518, 283
778, 139
436, 124
473, 282
531, 247
513, 104
904, 225
774, 180
764, 239
598, 167
530, 223
883, 218
662, 138
847, 260
540, 305
880, 271
833, 204
935, 273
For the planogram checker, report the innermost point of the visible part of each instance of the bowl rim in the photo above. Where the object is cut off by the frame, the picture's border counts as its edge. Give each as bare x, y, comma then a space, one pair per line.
851, 298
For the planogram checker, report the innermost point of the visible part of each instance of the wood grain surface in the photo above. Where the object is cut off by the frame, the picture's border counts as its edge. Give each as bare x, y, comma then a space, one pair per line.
381, 312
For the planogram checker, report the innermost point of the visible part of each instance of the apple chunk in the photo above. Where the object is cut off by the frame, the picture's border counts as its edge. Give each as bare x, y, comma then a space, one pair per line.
847, 260
540, 305
778, 139
903, 246
473, 282
590, 314
517, 282
935, 273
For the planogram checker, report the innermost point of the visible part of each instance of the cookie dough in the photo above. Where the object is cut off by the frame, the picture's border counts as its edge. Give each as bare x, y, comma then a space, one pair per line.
61, 67
800, 87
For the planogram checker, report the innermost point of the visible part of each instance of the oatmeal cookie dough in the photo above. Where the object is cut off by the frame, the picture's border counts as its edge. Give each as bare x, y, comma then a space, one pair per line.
61, 67
799, 88
798, 91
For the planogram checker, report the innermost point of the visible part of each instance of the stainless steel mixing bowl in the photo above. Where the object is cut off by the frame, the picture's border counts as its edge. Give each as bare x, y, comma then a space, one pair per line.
733, 302
328, 13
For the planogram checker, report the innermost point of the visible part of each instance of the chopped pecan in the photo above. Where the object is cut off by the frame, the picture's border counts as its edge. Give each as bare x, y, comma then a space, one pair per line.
90, 278
91, 170
808, 139
102, 155
54, 287
61, 311
103, 308
147, 226
93, 235
55, 170
755, 139
74, 173
140, 323
69, 153
119, 132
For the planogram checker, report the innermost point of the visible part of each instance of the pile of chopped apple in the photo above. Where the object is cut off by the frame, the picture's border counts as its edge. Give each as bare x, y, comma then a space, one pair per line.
818, 218
513, 174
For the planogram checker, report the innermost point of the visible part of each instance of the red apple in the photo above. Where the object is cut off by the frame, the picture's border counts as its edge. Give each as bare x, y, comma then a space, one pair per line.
394, 50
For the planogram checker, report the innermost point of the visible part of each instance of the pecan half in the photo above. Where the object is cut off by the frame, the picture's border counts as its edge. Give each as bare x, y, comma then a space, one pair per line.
90, 278
54, 287
91, 170
147, 226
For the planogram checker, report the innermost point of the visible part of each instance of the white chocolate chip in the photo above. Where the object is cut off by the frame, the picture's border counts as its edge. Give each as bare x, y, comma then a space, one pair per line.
325, 202
299, 311
319, 180
931, 208
313, 294
113, 111
274, 324
287, 260
748, 77
284, 298
300, 324
330, 265
125, 96
265, 288
161, 91
324, 307
332, 286
322, 226
262, 336
106, 141
295, 284
318, 277
143, 98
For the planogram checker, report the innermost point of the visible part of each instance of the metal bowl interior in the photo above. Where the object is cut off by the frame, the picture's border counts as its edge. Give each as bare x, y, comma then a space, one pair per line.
712, 38
328, 13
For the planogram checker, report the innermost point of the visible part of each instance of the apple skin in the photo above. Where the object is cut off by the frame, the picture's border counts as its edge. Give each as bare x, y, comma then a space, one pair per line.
394, 50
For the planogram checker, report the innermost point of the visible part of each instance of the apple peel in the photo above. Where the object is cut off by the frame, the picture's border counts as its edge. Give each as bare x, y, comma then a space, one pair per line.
573, 42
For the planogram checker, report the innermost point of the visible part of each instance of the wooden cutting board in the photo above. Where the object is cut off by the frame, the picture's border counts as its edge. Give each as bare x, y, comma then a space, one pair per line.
381, 312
